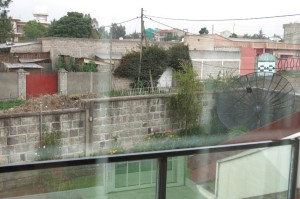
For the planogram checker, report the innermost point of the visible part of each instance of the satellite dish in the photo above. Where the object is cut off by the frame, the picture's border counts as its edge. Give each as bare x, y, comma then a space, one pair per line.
254, 100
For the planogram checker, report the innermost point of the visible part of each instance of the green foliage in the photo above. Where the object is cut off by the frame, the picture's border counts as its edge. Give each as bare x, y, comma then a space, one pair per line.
129, 65
203, 31
116, 146
236, 131
117, 31
70, 64
50, 146
74, 25
103, 34
88, 67
166, 140
10, 104
171, 140
154, 61
185, 106
4, 4
134, 35
177, 54
34, 30
60, 64
6, 30
233, 35
218, 83
260, 35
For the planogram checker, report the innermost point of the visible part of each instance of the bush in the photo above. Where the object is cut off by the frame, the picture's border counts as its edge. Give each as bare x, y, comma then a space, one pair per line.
50, 146
236, 131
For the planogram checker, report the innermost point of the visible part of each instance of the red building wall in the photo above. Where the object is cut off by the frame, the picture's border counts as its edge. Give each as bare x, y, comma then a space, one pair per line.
248, 58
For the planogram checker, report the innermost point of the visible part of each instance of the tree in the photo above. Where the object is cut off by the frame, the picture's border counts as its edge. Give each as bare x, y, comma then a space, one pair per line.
154, 63
177, 54
6, 30
260, 35
203, 31
103, 34
34, 30
233, 35
88, 67
185, 106
133, 35
117, 31
74, 25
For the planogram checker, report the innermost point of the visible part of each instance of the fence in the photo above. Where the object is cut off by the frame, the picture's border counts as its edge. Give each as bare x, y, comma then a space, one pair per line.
278, 180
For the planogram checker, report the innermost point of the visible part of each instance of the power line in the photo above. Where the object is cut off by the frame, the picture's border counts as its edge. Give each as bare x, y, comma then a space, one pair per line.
120, 23
233, 19
170, 26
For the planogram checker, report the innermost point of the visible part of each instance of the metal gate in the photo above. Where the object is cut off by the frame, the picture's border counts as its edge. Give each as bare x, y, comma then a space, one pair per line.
41, 84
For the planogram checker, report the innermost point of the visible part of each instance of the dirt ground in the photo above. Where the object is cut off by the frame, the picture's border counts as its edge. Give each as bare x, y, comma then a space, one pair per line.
49, 102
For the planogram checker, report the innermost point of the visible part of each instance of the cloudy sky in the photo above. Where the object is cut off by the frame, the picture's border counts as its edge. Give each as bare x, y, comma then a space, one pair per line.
115, 11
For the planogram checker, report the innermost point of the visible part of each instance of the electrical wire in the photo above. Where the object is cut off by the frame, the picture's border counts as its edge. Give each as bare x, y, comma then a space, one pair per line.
165, 24
233, 19
243, 69
120, 23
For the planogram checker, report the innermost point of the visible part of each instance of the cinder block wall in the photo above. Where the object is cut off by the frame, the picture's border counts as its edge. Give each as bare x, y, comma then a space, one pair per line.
84, 131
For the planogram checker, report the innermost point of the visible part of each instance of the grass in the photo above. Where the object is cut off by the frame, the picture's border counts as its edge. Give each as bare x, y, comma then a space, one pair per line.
10, 104
136, 91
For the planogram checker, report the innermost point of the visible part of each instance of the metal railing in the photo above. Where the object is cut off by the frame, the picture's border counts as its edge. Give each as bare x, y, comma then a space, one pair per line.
162, 157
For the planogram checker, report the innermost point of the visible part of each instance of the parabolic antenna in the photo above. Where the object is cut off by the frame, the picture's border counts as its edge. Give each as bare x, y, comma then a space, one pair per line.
254, 100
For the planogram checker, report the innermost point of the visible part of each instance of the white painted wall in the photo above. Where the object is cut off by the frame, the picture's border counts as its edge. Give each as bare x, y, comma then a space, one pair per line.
165, 81
253, 173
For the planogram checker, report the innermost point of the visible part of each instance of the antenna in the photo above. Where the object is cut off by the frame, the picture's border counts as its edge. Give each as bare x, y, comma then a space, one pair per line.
254, 100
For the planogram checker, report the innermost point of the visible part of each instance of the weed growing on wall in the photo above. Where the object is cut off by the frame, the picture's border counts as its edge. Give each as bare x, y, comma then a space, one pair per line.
185, 106
50, 146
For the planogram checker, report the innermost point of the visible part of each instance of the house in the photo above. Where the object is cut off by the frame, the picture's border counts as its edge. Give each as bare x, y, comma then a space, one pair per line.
18, 24
248, 49
168, 35
291, 33
28, 67
31, 62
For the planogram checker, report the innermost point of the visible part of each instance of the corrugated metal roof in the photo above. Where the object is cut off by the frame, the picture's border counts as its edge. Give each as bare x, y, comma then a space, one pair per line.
31, 60
23, 65
105, 56
4, 45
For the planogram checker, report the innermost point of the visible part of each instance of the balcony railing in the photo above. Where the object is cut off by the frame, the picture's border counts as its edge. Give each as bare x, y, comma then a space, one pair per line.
235, 171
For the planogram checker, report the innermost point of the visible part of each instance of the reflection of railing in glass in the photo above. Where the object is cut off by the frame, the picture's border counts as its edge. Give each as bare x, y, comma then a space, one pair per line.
248, 170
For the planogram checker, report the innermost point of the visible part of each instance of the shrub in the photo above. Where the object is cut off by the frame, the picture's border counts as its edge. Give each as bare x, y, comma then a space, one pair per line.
50, 146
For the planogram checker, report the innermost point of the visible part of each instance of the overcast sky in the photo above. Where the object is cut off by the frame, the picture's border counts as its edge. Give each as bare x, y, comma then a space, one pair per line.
115, 11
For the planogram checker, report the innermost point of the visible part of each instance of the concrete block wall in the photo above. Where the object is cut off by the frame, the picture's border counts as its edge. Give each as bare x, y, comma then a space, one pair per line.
9, 86
27, 48
80, 47
20, 134
84, 131
128, 118
207, 68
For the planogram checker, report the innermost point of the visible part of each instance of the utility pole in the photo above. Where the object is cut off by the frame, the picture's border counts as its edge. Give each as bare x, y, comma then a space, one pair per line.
110, 61
142, 37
